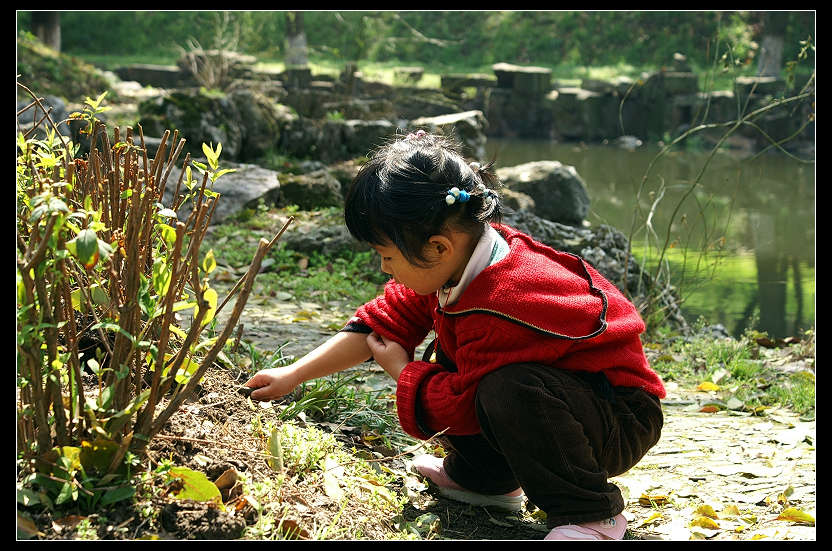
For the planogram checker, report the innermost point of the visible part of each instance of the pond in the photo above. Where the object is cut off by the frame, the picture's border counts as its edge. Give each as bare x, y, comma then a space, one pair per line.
741, 245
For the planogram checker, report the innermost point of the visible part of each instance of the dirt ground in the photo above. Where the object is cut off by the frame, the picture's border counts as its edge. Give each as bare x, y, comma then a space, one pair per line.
717, 476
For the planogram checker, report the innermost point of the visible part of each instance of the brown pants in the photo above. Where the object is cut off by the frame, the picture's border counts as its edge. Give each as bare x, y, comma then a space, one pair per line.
559, 435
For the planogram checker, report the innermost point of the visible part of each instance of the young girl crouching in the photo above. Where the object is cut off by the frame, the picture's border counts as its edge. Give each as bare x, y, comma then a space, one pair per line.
535, 376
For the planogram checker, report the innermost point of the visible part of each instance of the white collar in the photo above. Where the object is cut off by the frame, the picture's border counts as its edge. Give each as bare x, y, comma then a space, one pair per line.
482, 257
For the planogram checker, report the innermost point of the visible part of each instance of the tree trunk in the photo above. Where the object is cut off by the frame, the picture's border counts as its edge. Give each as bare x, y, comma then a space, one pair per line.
296, 52
770, 62
46, 25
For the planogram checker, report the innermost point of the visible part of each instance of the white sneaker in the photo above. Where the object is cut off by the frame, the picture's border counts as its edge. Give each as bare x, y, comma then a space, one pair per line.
608, 529
433, 468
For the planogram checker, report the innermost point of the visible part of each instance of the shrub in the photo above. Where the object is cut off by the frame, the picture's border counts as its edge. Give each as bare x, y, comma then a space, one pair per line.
102, 267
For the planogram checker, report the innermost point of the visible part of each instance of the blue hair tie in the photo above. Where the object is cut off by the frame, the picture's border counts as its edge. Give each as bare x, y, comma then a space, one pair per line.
455, 194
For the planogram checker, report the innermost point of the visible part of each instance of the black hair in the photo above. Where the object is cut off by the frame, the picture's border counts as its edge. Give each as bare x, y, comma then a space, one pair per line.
399, 195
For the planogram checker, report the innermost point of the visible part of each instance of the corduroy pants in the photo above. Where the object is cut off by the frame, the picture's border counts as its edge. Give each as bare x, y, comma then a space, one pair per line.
559, 435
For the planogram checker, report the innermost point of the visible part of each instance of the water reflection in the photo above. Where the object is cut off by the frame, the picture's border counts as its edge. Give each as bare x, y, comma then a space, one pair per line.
756, 216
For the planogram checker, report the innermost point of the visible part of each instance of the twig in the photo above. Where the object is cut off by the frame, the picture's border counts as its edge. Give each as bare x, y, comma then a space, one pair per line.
397, 456
240, 281
212, 442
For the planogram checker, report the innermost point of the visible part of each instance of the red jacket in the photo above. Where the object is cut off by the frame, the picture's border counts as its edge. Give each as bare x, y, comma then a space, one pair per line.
536, 305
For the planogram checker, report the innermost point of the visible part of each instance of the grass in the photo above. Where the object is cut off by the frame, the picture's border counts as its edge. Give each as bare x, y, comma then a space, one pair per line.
354, 276
746, 373
566, 74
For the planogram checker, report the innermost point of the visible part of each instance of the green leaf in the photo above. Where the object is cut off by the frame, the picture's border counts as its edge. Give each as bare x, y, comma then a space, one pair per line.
65, 494
86, 248
210, 296
223, 171
210, 155
168, 235
112, 326
209, 262
195, 486
119, 494
162, 275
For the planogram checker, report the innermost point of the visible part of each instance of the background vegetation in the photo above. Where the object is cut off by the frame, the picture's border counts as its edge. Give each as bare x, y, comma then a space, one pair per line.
474, 39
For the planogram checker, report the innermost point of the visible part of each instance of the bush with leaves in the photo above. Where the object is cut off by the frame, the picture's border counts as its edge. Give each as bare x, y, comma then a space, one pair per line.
102, 268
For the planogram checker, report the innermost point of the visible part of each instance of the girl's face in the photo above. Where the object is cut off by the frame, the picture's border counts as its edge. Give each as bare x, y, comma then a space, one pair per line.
422, 280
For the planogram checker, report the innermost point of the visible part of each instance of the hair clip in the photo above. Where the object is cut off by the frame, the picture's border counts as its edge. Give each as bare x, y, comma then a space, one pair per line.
419, 134
455, 194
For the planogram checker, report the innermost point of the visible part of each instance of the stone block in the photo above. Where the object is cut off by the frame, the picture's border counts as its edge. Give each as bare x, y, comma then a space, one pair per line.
525, 80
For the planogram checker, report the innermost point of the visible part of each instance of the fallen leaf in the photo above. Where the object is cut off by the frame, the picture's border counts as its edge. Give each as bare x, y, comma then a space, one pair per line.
651, 519
709, 409
332, 472
227, 479
705, 522
26, 528
292, 529
651, 500
729, 512
707, 386
706, 511
793, 514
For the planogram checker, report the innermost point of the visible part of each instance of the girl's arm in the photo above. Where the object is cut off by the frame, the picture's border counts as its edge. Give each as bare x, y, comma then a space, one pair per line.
342, 351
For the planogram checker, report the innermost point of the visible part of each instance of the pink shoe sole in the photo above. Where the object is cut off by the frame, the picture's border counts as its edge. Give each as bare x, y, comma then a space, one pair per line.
432, 468
609, 529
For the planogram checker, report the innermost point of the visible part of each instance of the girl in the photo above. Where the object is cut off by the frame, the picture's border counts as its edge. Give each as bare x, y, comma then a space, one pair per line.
536, 372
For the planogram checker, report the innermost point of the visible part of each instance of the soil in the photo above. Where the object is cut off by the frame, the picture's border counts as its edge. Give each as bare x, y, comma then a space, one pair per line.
748, 468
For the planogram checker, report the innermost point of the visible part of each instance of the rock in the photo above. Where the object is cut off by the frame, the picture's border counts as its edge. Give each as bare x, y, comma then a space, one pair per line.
245, 122
238, 190
558, 192
57, 112
455, 82
408, 75
158, 76
468, 127
680, 63
313, 190
524, 80
330, 241
200, 118
410, 102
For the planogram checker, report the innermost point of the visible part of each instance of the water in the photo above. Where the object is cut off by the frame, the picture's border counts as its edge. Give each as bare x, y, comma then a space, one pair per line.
742, 244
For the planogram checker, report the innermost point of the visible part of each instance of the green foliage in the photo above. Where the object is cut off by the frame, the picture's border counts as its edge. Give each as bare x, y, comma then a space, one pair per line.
49, 72
474, 39
743, 368
97, 259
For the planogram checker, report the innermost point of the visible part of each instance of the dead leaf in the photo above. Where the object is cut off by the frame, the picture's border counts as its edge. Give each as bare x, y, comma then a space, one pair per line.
226, 479
332, 473
651, 500
707, 386
709, 409
706, 511
730, 512
705, 522
793, 514
292, 529
651, 519
26, 528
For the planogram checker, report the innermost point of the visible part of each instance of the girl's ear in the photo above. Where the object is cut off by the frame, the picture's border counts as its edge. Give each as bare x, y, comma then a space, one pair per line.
440, 246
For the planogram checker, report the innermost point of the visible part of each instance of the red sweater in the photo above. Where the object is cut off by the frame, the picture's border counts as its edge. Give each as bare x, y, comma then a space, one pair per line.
536, 305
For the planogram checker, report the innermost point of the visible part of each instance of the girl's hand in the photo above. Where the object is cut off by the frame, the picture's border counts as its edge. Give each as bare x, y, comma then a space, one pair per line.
271, 384
388, 354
